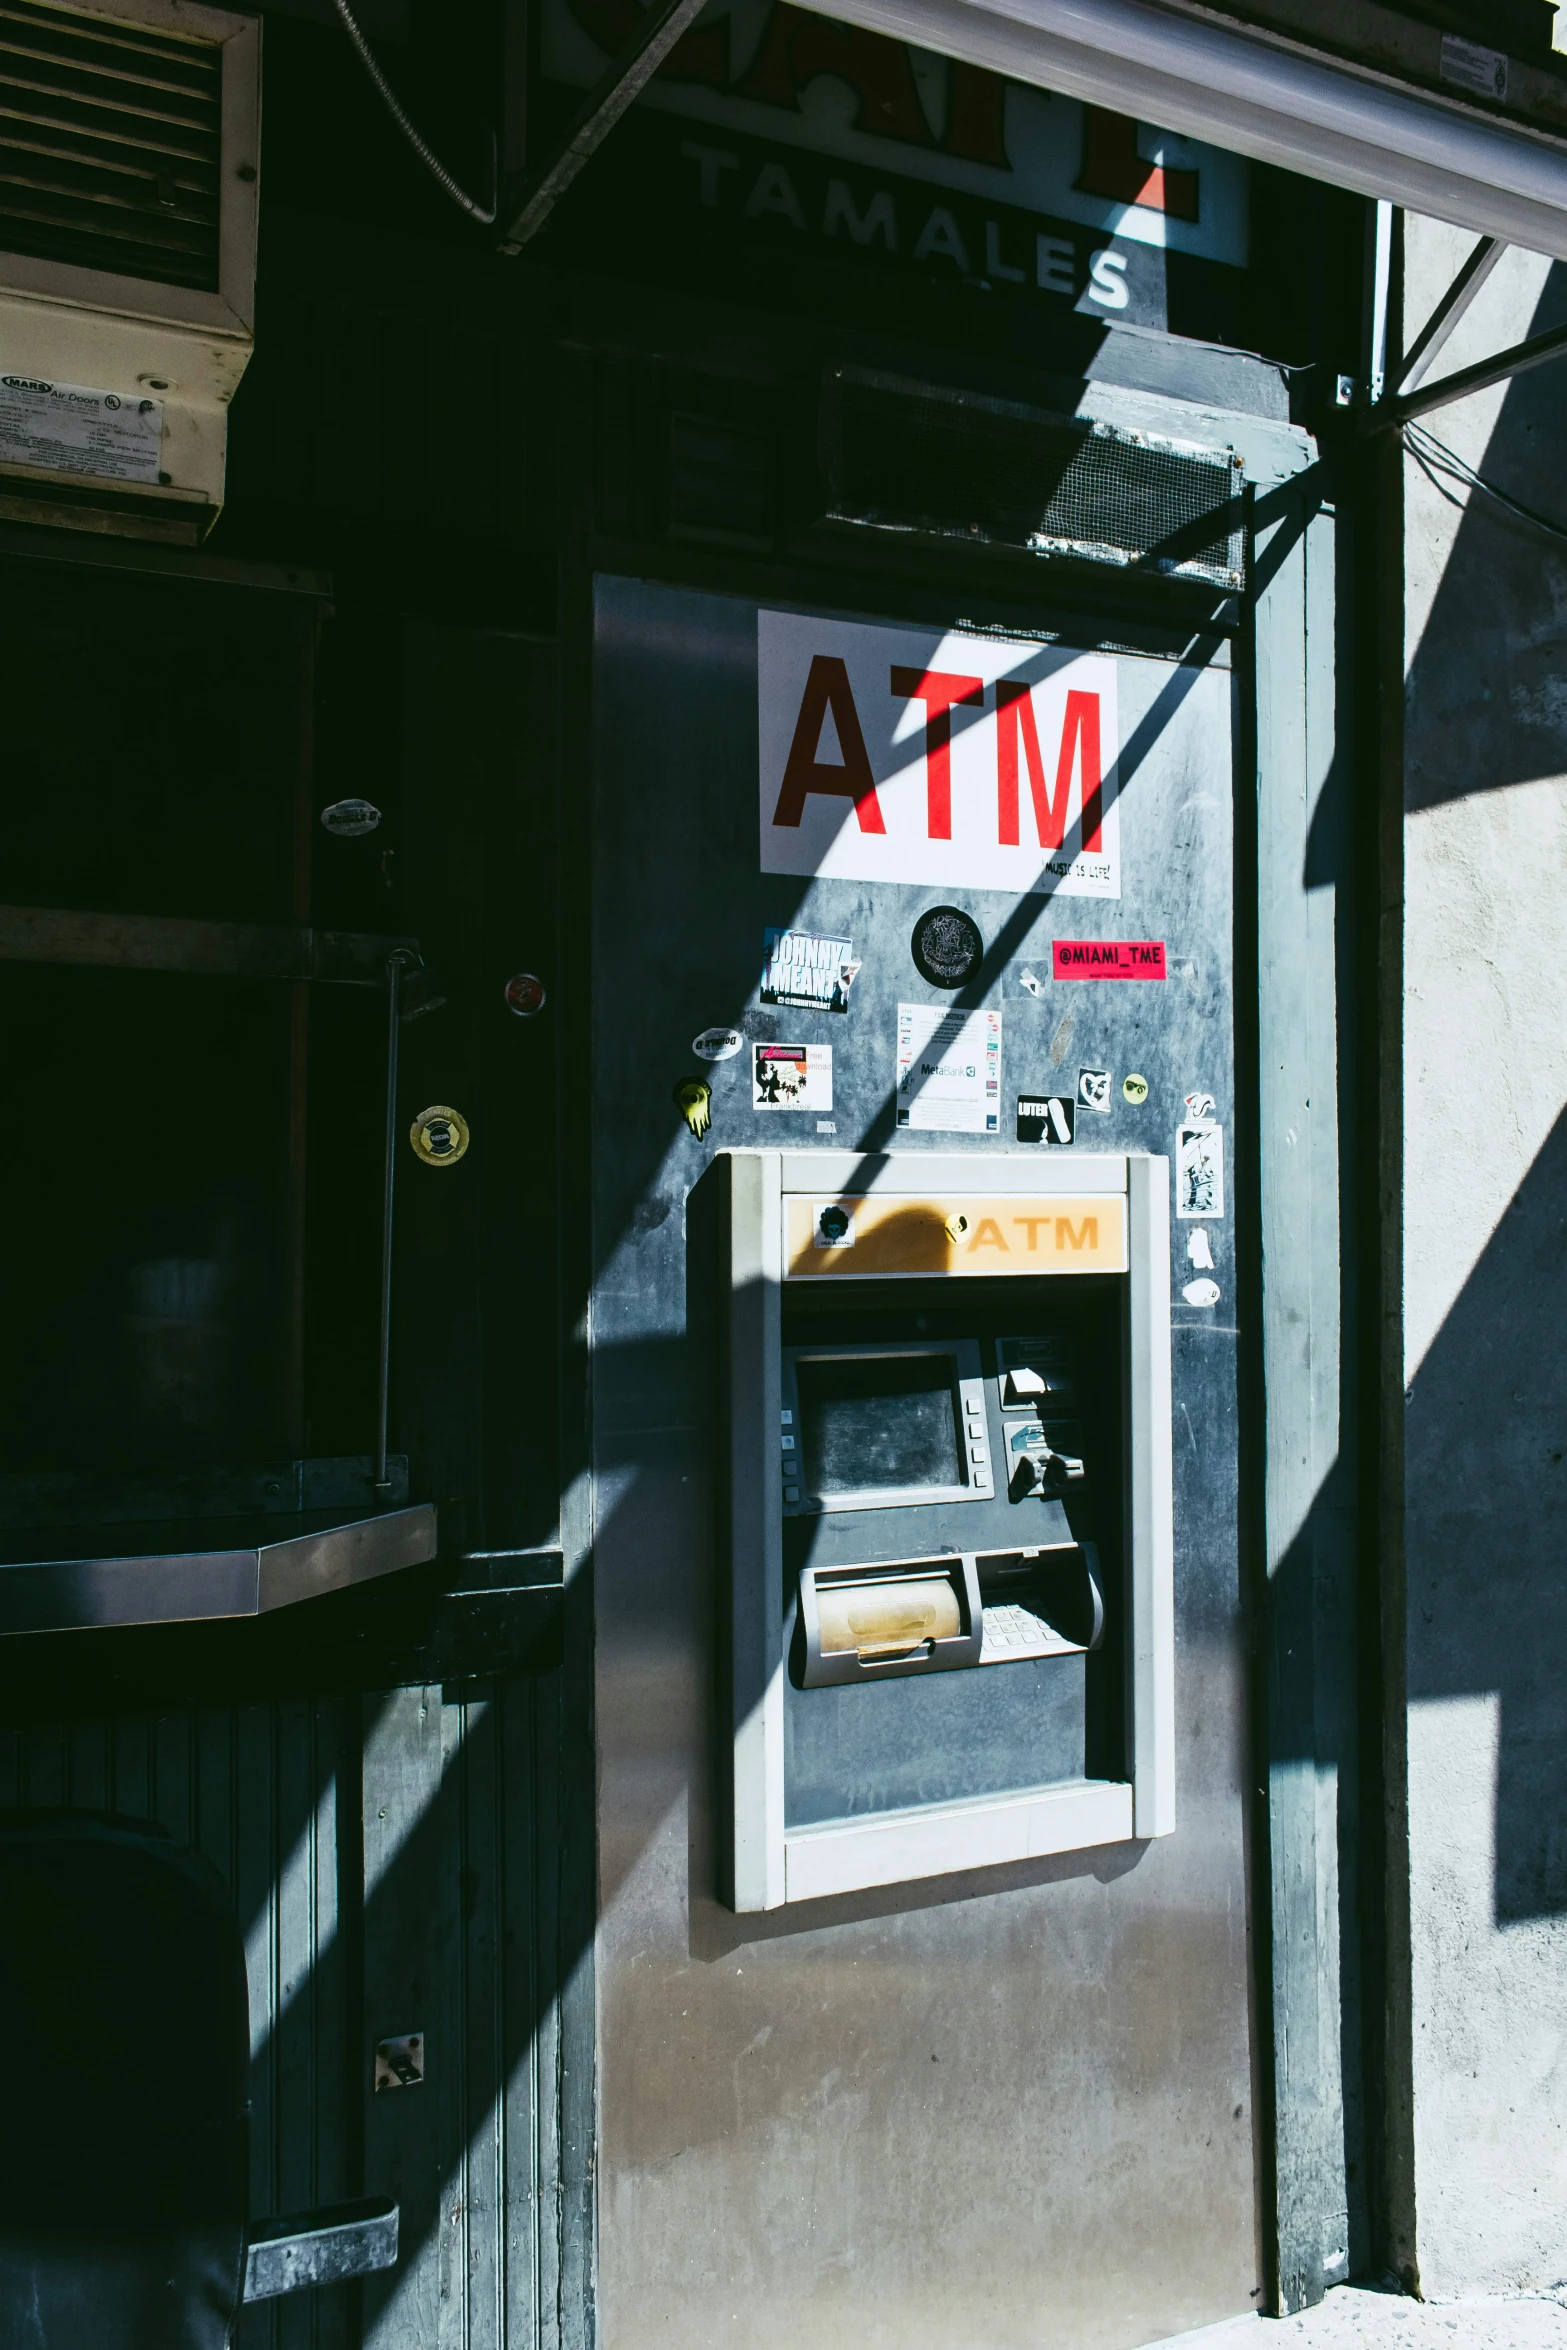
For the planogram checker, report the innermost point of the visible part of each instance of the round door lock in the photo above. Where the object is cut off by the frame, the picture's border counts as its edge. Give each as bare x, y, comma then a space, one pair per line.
439, 1136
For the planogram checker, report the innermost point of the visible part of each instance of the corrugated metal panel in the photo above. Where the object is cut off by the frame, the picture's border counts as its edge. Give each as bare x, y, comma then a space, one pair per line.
110, 145
394, 1865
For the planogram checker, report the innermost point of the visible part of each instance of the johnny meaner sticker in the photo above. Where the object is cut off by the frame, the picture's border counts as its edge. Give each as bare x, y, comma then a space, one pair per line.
941, 759
791, 1077
1199, 1170
812, 974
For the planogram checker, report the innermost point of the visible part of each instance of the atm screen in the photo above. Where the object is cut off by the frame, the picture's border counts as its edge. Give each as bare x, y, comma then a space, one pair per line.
874, 1423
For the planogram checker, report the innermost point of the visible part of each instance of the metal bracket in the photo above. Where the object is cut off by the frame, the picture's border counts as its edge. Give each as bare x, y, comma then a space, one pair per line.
1408, 401
529, 202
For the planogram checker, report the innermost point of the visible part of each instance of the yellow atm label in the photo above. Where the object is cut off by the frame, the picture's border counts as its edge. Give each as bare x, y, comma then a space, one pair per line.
853, 1239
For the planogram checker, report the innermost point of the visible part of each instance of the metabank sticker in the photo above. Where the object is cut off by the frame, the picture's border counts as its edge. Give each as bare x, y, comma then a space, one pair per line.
949, 1070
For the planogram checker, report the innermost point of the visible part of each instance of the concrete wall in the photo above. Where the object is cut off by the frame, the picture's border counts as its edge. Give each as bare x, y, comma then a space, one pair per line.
1485, 1297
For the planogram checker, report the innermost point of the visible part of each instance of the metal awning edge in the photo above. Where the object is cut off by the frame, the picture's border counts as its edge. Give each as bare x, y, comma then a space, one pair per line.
1238, 90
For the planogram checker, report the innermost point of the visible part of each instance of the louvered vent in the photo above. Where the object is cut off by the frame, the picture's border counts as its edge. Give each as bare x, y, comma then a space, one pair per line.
110, 139
953, 465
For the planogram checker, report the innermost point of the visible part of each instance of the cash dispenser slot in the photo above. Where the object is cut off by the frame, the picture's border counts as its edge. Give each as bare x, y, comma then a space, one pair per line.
901, 1616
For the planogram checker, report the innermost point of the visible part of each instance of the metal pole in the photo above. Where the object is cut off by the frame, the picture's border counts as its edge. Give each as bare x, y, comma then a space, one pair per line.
394, 983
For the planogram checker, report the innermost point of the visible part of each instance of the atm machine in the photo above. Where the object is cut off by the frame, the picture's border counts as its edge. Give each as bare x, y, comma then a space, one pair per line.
947, 1400
924, 1964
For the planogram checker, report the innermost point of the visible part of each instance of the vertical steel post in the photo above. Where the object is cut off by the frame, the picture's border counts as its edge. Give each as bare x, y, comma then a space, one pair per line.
394, 984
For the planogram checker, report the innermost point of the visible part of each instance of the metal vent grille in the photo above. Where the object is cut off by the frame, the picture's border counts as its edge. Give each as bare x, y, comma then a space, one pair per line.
110, 145
952, 465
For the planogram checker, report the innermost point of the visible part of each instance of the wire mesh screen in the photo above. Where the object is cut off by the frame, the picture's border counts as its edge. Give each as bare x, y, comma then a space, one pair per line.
992, 473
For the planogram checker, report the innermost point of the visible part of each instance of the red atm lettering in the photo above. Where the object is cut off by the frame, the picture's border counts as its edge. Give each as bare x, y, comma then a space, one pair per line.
827, 688
1015, 719
941, 692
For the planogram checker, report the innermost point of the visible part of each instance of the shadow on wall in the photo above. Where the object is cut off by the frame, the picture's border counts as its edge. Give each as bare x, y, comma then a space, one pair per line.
1486, 1480
1486, 1416
1487, 692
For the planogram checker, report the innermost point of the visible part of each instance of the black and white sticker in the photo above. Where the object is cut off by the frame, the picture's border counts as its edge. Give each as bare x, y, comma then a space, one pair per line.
1048, 1118
1093, 1090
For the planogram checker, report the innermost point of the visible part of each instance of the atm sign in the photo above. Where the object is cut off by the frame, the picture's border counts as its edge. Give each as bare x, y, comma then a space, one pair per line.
826, 1239
942, 758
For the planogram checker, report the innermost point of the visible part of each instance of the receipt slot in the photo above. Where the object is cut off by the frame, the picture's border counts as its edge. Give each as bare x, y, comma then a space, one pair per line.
946, 1513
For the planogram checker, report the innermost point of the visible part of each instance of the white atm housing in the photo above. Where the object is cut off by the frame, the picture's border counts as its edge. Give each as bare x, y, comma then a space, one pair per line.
763, 1193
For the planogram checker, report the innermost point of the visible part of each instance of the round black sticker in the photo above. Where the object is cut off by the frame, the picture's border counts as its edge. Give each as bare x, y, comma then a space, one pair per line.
947, 947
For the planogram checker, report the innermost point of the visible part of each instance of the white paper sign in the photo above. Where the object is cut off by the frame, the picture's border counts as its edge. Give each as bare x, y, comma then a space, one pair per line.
66, 428
949, 1070
894, 754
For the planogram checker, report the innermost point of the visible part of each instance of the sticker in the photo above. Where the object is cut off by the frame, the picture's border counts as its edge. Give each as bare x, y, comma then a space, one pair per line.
949, 1070
1199, 1170
350, 819
1045, 1117
791, 1077
525, 994
439, 1135
1470, 67
66, 428
946, 946
946, 760
1201, 1293
812, 974
955, 1226
1093, 1090
694, 1101
717, 1044
1199, 1106
1198, 1250
1108, 958
1134, 1088
826, 1125
1032, 981
833, 1225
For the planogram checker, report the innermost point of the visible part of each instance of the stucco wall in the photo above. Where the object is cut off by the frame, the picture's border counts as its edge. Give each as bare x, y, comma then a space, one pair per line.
1485, 1297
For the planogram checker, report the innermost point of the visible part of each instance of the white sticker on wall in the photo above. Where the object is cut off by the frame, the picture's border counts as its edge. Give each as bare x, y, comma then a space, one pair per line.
66, 428
952, 761
1199, 1170
949, 1070
1201, 1293
791, 1077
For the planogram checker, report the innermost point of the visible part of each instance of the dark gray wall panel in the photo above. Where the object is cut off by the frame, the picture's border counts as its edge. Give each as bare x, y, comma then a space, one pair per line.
1013, 2106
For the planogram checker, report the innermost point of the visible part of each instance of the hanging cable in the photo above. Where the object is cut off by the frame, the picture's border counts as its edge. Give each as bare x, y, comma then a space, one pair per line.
1435, 457
483, 213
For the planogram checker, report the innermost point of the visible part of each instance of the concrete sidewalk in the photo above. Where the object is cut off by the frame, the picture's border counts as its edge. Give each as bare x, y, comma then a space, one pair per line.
1355, 2318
